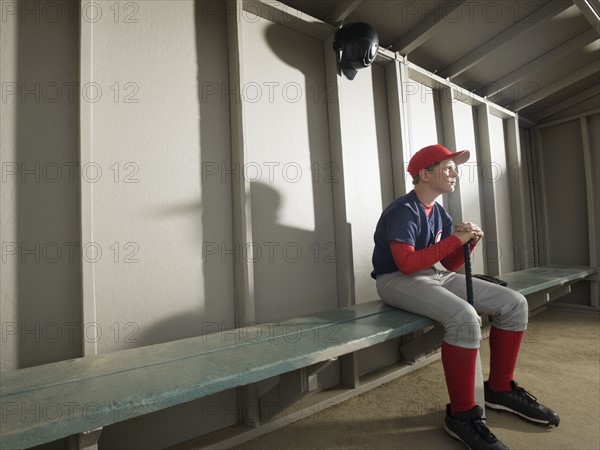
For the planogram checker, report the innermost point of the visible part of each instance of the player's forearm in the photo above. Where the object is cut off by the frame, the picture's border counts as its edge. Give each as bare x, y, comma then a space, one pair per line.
456, 259
409, 261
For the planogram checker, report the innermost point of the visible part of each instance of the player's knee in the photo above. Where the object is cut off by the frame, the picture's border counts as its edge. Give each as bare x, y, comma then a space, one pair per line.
522, 308
519, 308
516, 313
463, 329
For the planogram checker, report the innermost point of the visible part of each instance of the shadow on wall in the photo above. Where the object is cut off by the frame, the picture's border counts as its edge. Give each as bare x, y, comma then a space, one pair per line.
213, 208
277, 261
300, 277
288, 262
214, 230
46, 178
283, 257
279, 39
287, 280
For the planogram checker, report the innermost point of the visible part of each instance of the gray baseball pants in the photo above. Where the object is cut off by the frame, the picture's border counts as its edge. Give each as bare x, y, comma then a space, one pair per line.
441, 295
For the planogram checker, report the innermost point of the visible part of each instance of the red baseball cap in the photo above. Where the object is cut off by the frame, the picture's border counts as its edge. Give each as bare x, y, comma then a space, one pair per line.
433, 154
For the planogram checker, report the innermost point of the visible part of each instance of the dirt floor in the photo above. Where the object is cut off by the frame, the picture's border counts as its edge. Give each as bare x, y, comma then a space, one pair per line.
558, 363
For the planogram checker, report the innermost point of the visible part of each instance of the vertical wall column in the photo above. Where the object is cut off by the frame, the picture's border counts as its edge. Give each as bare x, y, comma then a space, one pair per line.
242, 219
501, 248
245, 310
517, 178
530, 175
458, 134
88, 294
544, 229
449, 132
397, 84
343, 232
592, 170
488, 188
536, 193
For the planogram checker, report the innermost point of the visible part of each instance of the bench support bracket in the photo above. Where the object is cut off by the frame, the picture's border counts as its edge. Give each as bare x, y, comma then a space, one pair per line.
349, 370
85, 441
422, 344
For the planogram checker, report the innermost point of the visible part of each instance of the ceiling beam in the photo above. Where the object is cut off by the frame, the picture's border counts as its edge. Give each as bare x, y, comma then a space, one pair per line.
547, 11
556, 86
435, 82
591, 11
426, 29
280, 13
571, 101
553, 56
342, 10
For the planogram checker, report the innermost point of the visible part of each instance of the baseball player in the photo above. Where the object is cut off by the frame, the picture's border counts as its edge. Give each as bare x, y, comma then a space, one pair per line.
413, 234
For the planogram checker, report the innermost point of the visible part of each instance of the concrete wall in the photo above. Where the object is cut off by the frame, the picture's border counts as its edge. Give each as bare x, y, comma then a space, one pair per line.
156, 214
570, 170
147, 225
154, 210
288, 169
365, 170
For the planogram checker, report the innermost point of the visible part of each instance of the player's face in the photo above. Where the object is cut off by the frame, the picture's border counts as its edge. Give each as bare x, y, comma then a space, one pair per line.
446, 176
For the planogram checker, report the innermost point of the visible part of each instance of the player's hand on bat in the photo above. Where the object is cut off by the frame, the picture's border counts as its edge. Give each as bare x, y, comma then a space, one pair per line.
474, 230
465, 236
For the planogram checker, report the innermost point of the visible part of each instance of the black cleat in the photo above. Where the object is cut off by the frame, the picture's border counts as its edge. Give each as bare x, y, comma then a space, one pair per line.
469, 428
522, 403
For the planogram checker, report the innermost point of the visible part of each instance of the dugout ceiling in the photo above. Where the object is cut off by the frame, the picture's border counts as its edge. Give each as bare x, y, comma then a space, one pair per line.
534, 57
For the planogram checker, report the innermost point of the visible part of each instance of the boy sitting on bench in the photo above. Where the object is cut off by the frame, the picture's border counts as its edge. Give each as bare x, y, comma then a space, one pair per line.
414, 233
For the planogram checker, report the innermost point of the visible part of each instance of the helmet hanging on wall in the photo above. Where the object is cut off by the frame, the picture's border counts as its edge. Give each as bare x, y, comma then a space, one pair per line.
356, 45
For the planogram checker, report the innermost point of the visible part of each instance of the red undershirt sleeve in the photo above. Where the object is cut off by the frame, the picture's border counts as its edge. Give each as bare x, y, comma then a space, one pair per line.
448, 251
456, 258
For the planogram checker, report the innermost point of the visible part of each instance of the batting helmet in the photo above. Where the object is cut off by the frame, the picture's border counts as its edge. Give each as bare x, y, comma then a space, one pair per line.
356, 46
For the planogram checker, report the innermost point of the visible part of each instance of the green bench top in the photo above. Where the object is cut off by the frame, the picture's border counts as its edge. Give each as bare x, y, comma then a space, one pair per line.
44, 403
529, 281
76, 369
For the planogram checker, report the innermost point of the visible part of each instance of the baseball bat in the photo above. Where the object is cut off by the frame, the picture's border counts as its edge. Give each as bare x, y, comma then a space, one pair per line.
479, 392
468, 273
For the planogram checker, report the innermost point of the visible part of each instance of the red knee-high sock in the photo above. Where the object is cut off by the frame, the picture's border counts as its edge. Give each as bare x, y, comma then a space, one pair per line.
459, 369
504, 349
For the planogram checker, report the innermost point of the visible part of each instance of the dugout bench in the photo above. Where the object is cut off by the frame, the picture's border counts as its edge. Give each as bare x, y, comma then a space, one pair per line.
44, 403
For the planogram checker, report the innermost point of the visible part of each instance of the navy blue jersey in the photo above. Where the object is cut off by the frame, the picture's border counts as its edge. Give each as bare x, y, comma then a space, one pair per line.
405, 220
